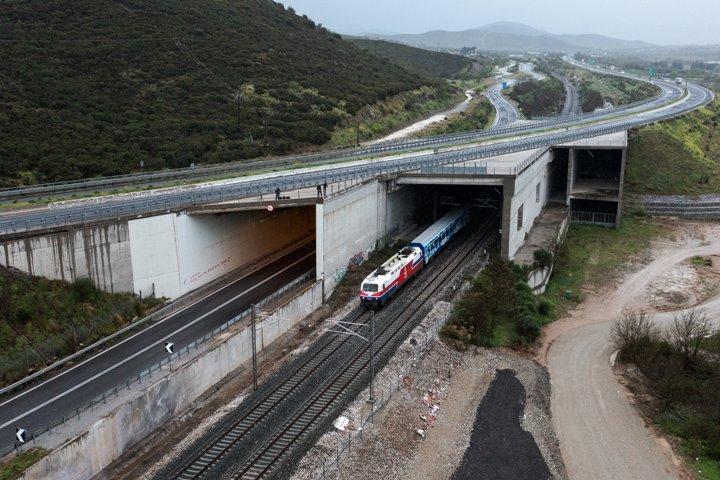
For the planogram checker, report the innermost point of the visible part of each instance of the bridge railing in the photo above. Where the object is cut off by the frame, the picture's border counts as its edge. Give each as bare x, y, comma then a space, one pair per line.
31, 438
594, 218
292, 180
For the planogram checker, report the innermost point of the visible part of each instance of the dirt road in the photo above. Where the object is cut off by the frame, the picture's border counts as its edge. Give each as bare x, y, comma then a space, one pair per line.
601, 435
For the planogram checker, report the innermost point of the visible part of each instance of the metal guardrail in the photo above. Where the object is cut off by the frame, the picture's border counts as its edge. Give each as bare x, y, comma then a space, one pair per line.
31, 438
78, 216
207, 171
595, 218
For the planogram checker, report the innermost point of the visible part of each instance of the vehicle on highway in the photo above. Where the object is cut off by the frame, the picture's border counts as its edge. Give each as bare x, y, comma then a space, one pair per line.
380, 285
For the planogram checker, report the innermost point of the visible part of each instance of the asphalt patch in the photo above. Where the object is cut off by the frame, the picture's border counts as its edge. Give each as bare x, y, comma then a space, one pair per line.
499, 447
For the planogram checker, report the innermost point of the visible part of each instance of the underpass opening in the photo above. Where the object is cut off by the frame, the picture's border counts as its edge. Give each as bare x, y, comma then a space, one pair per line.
596, 178
433, 201
177, 253
558, 175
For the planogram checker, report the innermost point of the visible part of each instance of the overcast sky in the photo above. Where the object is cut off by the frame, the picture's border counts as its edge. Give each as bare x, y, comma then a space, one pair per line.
658, 21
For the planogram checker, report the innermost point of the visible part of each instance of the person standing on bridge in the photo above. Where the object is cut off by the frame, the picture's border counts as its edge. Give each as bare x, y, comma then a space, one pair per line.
277, 193
319, 191
324, 189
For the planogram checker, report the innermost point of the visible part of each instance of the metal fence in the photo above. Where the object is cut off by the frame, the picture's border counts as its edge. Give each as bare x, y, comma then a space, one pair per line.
595, 218
76, 216
163, 312
209, 171
147, 373
324, 469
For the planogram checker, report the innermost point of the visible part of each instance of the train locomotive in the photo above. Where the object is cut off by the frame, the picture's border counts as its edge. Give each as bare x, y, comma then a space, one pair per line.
380, 285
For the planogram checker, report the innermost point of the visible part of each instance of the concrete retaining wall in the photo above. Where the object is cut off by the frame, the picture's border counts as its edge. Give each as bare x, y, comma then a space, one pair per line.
399, 209
531, 192
84, 456
100, 253
539, 278
350, 229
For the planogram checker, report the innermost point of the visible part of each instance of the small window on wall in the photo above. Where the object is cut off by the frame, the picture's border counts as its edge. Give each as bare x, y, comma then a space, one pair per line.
537, 193
520, 217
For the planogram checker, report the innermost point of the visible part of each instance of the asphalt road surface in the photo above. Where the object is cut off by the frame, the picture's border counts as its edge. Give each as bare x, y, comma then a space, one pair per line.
601, 435
505, 111
41, 404
500, 449
572, 100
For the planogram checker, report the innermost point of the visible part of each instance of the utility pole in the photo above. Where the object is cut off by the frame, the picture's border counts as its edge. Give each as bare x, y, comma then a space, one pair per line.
254, 345
372, 357
357, 134
265, 124
345, 328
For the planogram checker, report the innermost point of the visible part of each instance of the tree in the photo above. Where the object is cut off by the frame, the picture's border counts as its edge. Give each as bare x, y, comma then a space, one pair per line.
687, 334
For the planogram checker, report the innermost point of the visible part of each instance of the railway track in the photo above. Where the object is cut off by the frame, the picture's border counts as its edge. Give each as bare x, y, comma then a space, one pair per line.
263, 457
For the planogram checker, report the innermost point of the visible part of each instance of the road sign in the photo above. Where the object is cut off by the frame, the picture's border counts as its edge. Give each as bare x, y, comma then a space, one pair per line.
169, 347
270, 208
20, 434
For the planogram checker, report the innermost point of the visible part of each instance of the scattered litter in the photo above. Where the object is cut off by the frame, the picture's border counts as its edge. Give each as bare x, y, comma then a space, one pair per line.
420, 432
407, 381
341, 423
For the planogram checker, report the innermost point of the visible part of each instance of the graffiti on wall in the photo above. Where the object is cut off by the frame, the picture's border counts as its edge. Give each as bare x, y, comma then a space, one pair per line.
195, 277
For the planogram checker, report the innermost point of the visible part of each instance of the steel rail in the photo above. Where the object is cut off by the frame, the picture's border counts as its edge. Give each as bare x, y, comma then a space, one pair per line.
221, 444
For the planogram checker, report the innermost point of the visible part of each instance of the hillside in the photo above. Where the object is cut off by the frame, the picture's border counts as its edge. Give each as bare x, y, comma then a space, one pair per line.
95, 87
680, 157
515, 37
426, 62
539, 98
42, 320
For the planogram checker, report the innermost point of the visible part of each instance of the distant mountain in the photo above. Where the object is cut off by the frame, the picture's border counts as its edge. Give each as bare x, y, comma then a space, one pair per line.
514, 28
601, 42
514, 37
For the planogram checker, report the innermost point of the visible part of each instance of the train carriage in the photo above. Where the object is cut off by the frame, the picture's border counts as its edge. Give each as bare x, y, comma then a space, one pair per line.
434, 239
381, 284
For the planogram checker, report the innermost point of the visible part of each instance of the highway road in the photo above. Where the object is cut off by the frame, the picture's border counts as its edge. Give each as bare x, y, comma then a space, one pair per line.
572, 100
529, 69
601, 435
506, 113
45, 402
525, 137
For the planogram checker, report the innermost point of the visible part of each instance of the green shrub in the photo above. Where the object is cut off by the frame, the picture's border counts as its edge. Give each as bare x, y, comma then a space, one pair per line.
84, 289
545, 307
543, 258
528, 328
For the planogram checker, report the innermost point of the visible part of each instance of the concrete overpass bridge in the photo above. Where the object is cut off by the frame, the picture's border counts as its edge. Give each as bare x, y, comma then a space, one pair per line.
172, 242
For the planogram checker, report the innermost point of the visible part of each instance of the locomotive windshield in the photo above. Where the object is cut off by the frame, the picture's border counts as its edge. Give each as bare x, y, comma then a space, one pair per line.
369, 287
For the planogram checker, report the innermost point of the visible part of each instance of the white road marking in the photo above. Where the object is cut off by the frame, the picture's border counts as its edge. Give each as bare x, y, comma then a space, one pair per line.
25, 392
146, 348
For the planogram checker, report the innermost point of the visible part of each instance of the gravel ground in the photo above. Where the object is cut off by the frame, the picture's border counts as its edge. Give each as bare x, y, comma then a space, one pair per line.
454, 383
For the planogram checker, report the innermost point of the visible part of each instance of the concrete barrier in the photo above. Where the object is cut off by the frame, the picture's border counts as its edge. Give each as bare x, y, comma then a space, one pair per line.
87, 454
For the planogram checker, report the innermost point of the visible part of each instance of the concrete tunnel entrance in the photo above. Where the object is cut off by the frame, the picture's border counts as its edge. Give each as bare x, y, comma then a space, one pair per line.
430, 202
433, 201
196, 247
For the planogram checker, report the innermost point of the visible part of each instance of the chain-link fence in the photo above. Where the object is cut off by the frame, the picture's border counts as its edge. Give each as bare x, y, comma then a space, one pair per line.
382, 398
